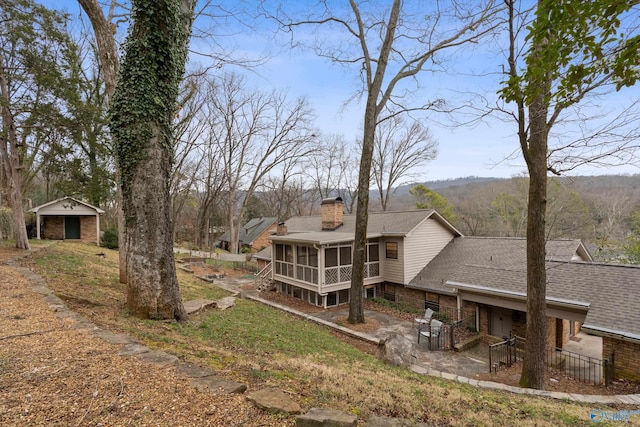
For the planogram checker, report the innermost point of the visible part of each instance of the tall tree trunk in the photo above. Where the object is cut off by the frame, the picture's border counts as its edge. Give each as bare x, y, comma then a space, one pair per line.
12, 163
108, 53
356, 308
142, 111
15, 201
533, 367
152, 286
372, 111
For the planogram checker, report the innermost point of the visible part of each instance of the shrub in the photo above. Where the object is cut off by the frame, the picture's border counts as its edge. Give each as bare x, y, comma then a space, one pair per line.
110, 238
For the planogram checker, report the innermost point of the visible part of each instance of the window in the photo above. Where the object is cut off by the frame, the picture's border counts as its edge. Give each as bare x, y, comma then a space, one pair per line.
345, 255
331, 257
335, 256
332, 299
302, 255
372, 252
432, 301
370, 292
389, 292
307, 256
391, 249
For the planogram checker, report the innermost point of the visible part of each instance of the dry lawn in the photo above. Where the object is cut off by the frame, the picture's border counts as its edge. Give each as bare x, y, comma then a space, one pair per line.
53, 374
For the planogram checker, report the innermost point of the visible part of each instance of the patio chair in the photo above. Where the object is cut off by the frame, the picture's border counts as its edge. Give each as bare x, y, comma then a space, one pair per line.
424, 320
431, 331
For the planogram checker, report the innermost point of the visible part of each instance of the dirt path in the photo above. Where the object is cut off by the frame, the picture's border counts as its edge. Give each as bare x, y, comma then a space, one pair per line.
54, 370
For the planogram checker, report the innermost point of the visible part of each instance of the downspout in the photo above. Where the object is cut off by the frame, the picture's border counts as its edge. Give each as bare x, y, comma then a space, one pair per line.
320, 271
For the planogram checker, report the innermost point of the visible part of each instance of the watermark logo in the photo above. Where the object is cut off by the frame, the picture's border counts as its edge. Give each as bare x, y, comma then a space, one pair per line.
598, 415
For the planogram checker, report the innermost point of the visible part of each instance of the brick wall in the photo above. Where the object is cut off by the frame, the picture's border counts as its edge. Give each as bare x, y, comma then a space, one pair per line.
331, 212
448, 303
566, 332
551, 331
411, 297
627, 357
52, 227
88, 228
261, 241
484, 319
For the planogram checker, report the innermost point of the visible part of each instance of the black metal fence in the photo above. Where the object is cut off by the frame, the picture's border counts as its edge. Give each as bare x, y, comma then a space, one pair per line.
586, 369
450, 333
504, 354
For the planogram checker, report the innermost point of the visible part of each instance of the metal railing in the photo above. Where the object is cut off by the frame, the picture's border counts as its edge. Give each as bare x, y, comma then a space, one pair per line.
582, 368
447, 335
504, 354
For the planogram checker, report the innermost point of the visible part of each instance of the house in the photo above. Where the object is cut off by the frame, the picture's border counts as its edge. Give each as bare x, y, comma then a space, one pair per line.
68, 218
312, 256
419, 259
488, 275
263, 257
252, 236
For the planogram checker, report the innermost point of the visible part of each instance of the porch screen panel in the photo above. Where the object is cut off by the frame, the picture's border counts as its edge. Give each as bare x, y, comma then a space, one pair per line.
331, 257
345, 255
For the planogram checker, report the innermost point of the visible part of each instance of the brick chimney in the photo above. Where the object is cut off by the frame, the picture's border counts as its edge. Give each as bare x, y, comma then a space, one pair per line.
331, 210
281, 229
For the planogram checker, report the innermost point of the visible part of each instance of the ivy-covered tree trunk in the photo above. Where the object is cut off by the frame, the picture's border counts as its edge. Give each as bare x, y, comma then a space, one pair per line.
142, 111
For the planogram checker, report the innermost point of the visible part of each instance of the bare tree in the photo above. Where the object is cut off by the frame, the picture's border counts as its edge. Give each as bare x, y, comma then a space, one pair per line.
104, 27
286, 197
189, 127
332, 169
573, 49
258, 132
399, 147
390, 47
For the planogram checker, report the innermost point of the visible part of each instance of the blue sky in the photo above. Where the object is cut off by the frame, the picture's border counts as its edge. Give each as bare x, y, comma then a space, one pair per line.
479, 150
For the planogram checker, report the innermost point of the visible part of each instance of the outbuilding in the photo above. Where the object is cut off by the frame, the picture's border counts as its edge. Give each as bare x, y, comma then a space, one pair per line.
68, 218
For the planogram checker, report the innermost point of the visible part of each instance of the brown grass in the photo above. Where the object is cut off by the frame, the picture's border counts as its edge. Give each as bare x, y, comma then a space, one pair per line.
129, 393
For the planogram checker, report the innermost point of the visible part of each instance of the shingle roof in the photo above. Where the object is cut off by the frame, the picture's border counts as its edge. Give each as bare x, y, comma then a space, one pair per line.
251, 230
53, 202
490, 254
611, 291
264, 254
401, 222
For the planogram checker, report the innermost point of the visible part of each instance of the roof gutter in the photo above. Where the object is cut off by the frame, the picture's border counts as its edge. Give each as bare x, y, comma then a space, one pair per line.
556, 302
611, 333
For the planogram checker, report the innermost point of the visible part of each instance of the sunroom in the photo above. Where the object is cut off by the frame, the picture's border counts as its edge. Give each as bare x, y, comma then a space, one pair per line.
317, 267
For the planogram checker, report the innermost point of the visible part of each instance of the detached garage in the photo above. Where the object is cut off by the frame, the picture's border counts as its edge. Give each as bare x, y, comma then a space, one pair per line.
68, 218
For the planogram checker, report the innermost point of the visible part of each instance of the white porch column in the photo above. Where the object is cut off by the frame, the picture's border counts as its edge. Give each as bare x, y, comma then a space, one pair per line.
38, 226
97, 229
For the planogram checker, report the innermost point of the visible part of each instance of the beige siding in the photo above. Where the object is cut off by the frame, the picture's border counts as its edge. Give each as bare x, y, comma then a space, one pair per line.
392, 269
65, 208
422, 245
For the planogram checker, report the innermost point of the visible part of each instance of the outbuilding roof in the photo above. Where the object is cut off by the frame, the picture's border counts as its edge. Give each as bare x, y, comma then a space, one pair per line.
67, 203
